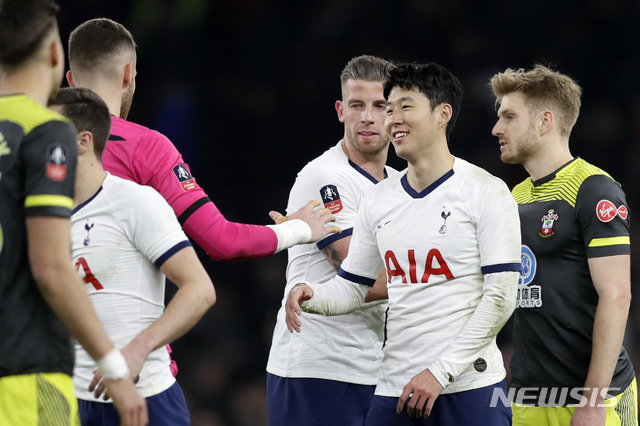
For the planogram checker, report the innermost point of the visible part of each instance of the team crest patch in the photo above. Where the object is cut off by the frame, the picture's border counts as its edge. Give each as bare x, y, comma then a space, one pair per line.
184, 177
606, 211
57, 157
331, 198
547, 224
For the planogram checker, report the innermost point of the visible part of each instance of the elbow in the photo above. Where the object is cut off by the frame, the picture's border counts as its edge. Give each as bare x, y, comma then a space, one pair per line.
208, 295
45, 275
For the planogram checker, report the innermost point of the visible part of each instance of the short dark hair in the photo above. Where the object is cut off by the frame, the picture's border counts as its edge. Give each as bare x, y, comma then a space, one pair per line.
367, 68
434, 81
88, 112
24, 24
96, 41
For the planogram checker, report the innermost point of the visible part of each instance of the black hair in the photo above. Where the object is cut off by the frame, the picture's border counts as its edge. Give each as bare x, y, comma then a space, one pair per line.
434, 81
88, 112
24, 24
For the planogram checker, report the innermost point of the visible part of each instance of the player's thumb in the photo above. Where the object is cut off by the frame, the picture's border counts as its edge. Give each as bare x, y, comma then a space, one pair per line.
277, 217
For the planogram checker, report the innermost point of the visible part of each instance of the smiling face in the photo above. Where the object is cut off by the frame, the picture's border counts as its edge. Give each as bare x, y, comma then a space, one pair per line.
362, 112
410, 122
515, 130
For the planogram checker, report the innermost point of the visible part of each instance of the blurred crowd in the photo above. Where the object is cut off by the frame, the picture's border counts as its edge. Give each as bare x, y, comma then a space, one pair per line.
246, 90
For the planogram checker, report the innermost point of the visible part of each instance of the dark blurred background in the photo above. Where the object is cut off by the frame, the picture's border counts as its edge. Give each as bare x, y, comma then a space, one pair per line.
246, 88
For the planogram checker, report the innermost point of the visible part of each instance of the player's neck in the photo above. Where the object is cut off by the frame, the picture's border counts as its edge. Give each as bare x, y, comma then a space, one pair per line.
32, 82
429, 165
109, 94
89, 179
372, 164
547, 159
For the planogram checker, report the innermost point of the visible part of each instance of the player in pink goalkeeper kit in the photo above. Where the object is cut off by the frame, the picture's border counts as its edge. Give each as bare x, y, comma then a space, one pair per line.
147, 157
102, 57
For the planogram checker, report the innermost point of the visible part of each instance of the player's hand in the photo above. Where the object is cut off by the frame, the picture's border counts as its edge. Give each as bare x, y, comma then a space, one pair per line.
589, 416
315, 218
424, 389
298, 294
135, 354
131, 406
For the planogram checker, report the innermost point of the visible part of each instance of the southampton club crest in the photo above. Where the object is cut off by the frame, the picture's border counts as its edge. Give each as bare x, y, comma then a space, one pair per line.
547, 223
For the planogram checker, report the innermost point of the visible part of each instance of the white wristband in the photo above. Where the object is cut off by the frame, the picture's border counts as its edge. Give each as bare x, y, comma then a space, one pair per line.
113, 365
291, 232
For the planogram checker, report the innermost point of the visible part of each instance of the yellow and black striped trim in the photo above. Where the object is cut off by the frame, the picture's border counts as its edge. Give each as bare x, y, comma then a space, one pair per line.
564, 186
48, 201
627, 407
25, 112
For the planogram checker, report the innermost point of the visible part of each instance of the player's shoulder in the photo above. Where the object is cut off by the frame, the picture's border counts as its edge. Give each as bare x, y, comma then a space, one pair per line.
331, 161
475, 179
29, 115
133, 131
128, 193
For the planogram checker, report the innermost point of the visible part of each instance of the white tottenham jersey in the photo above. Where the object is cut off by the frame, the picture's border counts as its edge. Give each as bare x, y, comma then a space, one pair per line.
436, 246
120, 238
346, 348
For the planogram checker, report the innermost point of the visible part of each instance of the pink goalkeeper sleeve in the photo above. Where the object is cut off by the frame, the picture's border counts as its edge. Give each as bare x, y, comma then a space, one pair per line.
147, 157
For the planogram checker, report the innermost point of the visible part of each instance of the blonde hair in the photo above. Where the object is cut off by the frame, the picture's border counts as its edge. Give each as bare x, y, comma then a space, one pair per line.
542, 89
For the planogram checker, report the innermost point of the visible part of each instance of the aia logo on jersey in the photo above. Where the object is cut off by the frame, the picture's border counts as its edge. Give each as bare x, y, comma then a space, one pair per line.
184, 177
57, 157
331, 198
434, 265
547, 223
607, 211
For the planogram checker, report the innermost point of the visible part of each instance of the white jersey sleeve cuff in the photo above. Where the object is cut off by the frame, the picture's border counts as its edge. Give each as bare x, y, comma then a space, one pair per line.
290, 233
335, 297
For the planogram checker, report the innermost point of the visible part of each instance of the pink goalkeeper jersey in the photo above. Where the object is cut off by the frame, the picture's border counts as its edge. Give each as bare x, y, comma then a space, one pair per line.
149, 158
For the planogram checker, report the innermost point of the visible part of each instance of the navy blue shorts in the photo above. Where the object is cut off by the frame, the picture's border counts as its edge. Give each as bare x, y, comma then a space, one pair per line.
167, 408
468, 408
316, 402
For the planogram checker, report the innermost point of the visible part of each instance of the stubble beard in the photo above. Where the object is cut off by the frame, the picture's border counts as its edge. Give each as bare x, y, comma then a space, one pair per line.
522, 148
369, 148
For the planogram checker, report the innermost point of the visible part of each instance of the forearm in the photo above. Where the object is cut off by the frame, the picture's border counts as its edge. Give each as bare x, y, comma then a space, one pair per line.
224, 240
335, 297
64, 291
188, 305
493, 311
608, 333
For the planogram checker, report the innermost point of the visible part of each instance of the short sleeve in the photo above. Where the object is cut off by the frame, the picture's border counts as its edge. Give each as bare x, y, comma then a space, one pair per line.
363, 262
334, 192
498, 228
49, 155
603, 215
154, 227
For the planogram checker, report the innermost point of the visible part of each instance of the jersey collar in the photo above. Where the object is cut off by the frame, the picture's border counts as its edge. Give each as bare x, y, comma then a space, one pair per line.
429, 189
365, 174
86, 202
551, 176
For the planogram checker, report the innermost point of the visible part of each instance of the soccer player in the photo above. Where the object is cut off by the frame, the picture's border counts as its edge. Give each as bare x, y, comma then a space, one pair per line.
448, 234
327, 375
102, 57
40, 292
573, 299
125, 239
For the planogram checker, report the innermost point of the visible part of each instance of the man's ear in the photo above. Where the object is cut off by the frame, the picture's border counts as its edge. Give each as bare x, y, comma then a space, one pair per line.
446, 112
85, 142
127, 79
340, 110
70, 79
546, 122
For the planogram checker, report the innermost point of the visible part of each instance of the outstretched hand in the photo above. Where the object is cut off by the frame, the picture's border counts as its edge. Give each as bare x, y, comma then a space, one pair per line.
315, 218
298, 294
424, 389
